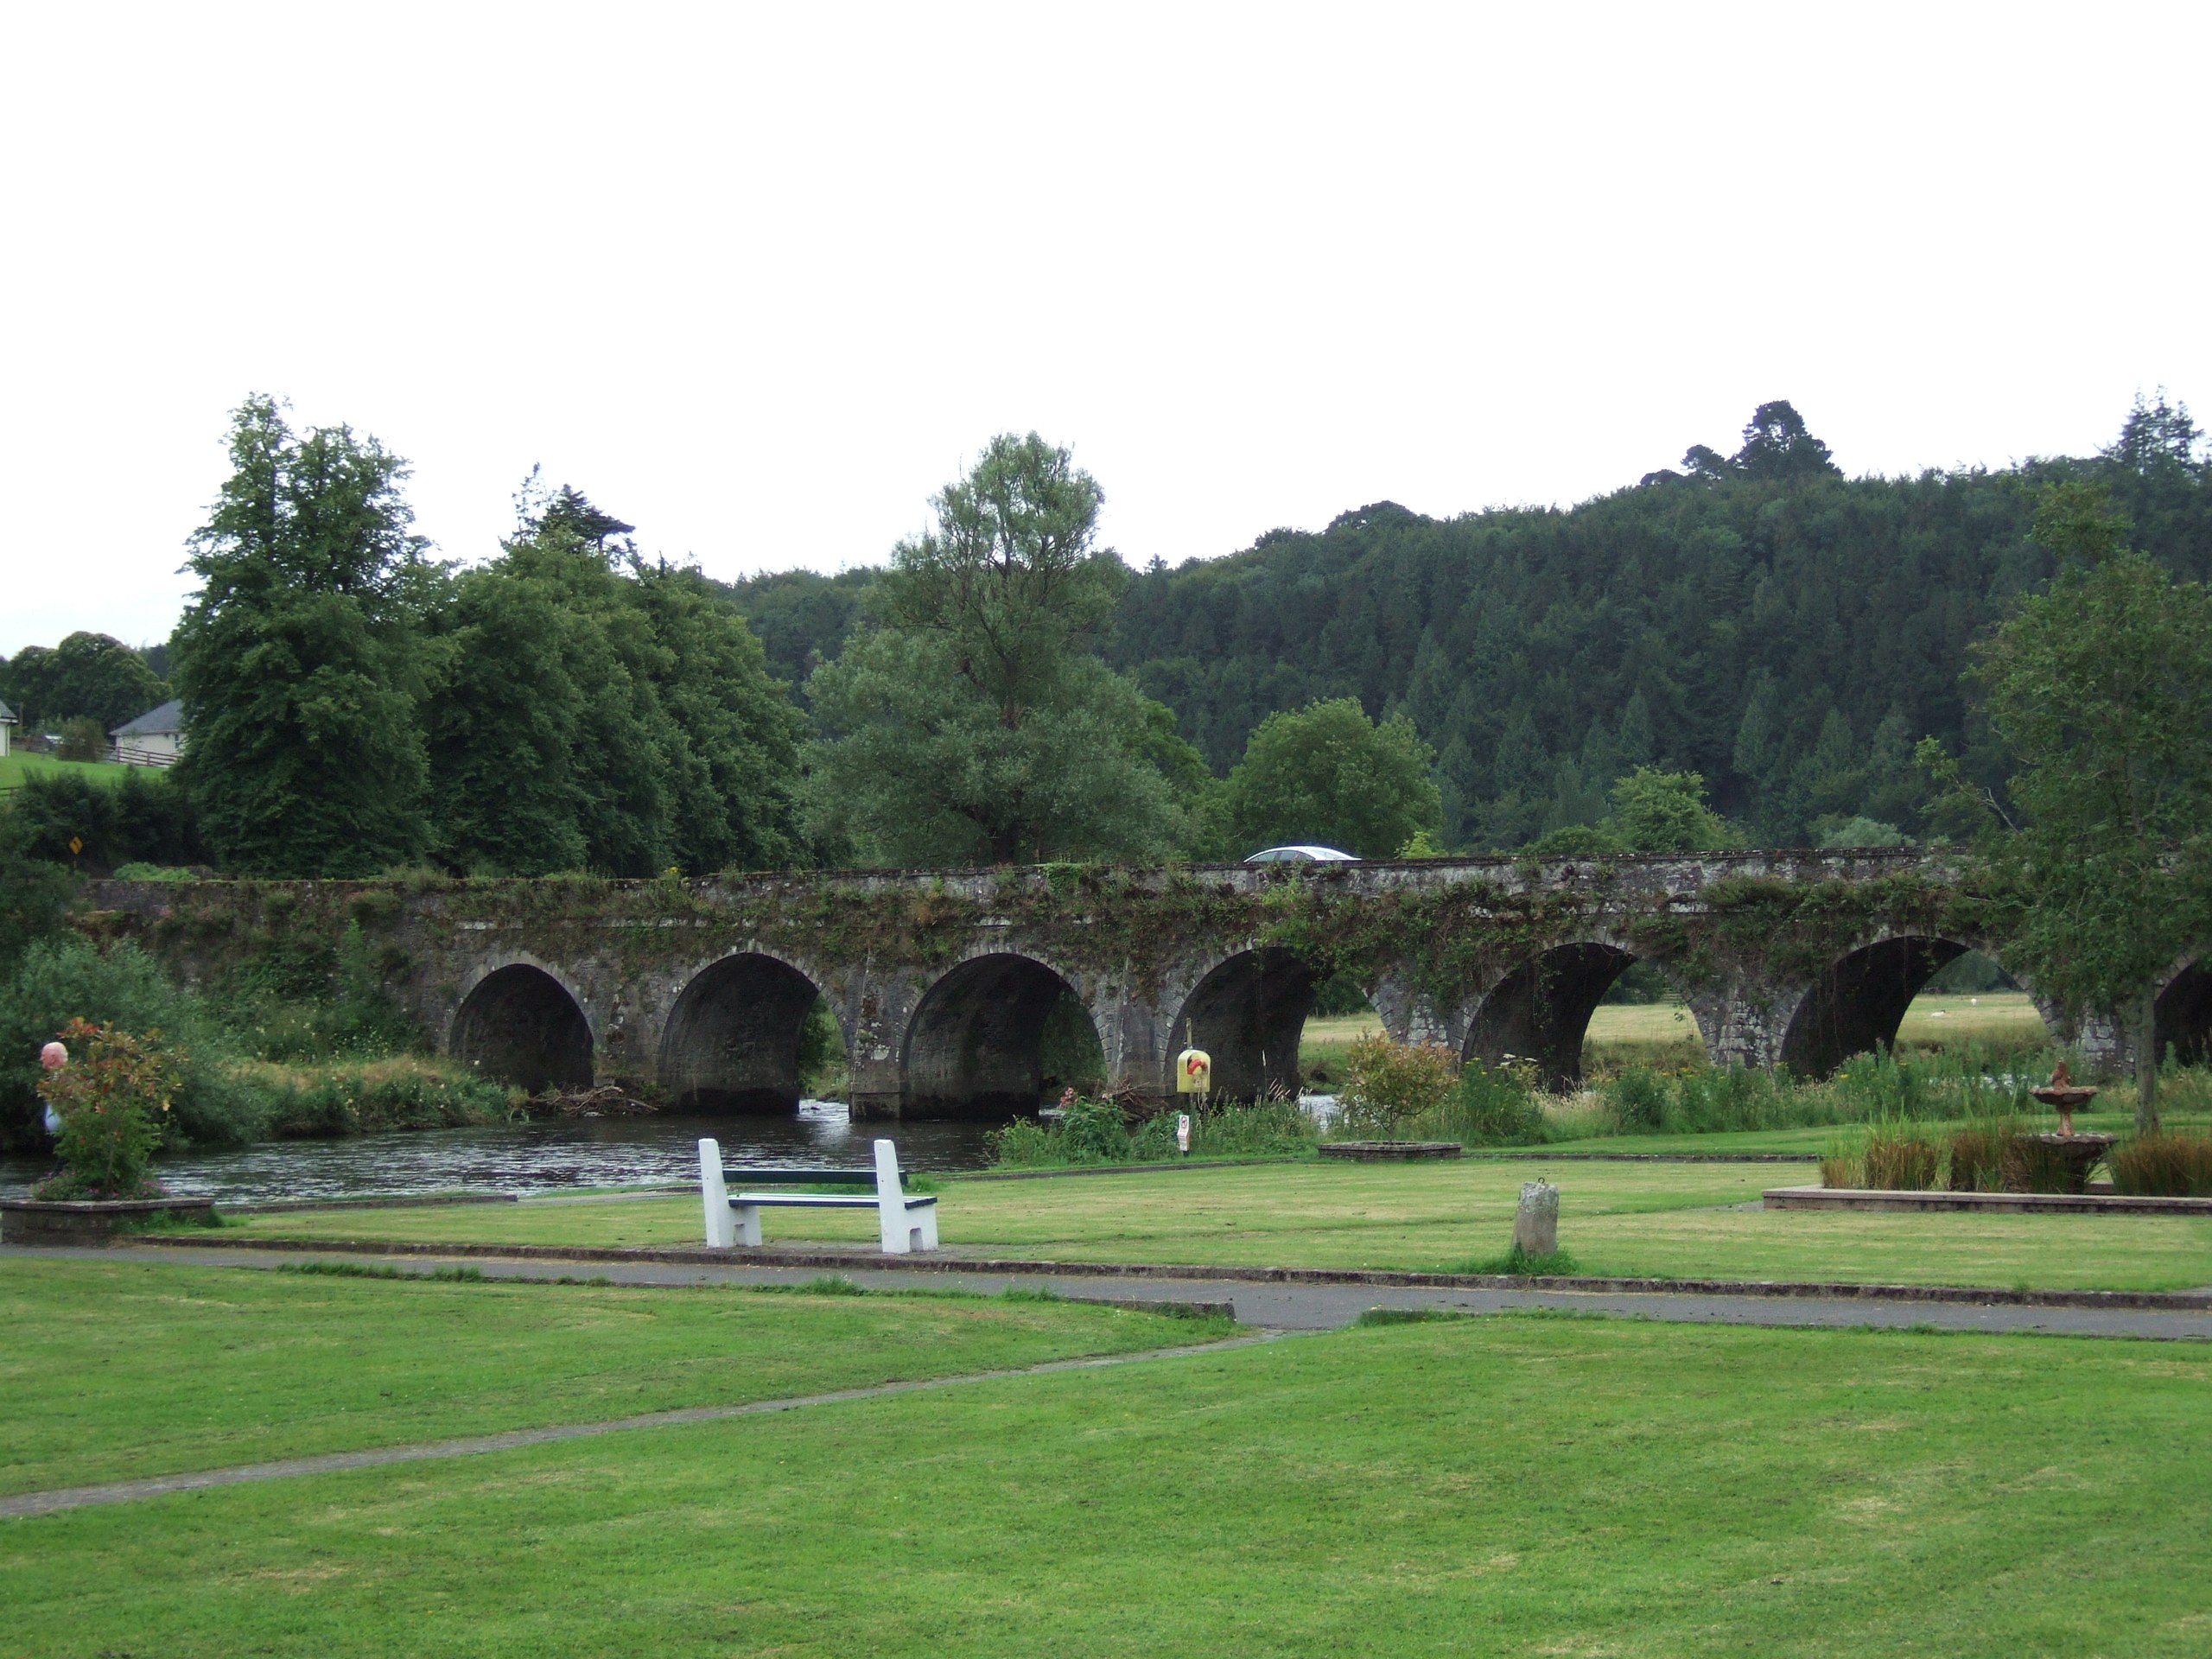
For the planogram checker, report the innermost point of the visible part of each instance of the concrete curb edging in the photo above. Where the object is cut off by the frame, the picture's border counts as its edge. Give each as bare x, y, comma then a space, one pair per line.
1644, 1157
2177, 1300
399, 1201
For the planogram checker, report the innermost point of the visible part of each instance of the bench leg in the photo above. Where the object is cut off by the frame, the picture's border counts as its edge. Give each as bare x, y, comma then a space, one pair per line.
714, 1195
928, 1229
747, 1218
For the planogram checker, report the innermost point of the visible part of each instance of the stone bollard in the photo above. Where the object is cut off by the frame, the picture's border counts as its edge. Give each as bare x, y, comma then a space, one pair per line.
1535, 1228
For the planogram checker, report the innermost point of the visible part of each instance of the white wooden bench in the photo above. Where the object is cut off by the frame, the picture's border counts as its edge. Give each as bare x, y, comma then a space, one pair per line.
733, 1218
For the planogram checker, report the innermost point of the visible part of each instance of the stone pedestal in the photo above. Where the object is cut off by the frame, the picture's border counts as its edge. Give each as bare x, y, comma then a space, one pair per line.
1535, 1227
2076, 1153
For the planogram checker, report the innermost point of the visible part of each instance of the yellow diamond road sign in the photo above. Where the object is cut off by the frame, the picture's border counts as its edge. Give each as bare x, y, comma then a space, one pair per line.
76, 845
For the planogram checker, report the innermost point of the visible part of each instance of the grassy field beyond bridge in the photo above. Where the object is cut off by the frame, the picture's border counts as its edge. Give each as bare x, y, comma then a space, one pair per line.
1665, 1034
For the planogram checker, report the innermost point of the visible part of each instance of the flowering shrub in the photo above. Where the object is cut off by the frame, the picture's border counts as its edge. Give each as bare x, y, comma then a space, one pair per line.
111, 1100
1388, 1084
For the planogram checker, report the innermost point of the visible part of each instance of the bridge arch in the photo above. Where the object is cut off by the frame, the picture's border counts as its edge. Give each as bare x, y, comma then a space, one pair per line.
520, 1024
2183, 1015
1247, 1012
1541, 1011
732, 1040
975, 1044
1860, 1000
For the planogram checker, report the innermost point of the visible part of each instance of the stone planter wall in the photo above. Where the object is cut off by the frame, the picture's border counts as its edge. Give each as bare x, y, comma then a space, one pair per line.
33, 1221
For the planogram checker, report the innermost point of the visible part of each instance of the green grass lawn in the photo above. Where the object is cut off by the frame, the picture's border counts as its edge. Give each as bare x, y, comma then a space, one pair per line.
1678, 1220
18, 766
1507, 1485
116, 1370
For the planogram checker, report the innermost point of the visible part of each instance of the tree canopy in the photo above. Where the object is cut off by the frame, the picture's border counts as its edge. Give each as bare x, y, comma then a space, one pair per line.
1784, 632
594, 710
298, 658
1328, 775
91, 676
352, 706
971, 717
2101, 684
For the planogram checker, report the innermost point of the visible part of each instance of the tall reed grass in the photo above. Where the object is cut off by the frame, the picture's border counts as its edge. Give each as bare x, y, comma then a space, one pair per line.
1093, 1133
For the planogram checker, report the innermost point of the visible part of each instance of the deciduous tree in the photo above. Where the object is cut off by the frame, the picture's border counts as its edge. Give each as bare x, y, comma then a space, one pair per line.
974, 719
2101, 685
1330, 775
298, 660
94, 675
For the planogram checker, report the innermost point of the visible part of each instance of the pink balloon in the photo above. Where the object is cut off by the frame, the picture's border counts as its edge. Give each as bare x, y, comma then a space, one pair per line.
53, 1057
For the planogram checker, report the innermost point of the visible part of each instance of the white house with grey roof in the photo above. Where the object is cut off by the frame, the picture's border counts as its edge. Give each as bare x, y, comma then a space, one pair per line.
155, 739
7, 730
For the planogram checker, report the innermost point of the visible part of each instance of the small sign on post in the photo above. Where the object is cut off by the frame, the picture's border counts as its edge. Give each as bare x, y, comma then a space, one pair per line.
1183, 1132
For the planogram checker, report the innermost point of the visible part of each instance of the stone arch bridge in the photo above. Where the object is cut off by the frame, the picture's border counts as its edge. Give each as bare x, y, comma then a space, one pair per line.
943, 983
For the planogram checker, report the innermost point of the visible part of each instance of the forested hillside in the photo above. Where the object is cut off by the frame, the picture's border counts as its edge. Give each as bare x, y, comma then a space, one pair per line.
1785, 631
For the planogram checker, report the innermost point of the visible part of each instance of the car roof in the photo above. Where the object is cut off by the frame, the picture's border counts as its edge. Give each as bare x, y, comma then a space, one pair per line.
1320, 854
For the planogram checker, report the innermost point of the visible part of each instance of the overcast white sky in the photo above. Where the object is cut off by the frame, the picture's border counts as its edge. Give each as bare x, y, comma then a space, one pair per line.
761, 279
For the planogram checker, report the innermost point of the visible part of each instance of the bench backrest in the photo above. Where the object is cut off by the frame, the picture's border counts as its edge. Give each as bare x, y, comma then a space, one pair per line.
800, 1177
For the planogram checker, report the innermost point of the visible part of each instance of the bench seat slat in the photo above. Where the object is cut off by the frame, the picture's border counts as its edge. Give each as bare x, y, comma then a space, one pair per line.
803, 1177
820, 1201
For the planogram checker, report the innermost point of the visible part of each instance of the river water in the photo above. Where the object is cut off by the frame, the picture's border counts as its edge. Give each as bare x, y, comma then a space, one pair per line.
543, 1157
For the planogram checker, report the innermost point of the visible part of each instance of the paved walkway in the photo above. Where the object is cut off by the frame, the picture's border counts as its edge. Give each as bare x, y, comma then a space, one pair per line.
1271, 1306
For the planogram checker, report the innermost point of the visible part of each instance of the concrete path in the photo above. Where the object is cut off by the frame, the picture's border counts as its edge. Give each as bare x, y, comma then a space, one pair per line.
1269, 1306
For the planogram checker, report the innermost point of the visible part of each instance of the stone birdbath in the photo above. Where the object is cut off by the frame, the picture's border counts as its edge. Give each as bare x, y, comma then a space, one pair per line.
2079, 1152
2065, 1095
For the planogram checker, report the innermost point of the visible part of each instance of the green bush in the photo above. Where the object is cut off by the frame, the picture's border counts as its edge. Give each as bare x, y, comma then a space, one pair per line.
368, 1097
1639, 1099
34, 896
303, 1003
1267, 1129
68, 978
146, 818
1717, 1099
2164, 1166
81, 740
1493, 1106
1388, 1083
112, 1098
1092, 1132
1024, 1144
